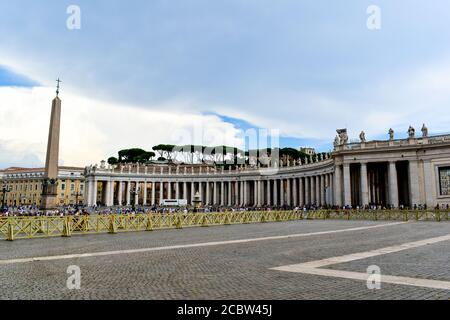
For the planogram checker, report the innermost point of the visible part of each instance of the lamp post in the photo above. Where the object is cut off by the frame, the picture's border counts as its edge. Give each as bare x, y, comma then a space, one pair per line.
76, 195
5, 190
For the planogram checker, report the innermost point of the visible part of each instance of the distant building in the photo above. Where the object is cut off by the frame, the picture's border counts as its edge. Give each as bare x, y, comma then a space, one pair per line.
310, 151
25, 185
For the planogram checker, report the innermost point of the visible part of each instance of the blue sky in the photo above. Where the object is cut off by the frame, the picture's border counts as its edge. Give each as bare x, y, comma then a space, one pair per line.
10, 78
305, 68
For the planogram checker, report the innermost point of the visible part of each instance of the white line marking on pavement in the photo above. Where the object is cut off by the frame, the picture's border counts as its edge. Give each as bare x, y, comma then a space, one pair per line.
194, 245
313, 267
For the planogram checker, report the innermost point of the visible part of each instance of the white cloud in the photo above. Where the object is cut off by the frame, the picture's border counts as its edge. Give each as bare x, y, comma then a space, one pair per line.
93, 130
294, 67
417, 96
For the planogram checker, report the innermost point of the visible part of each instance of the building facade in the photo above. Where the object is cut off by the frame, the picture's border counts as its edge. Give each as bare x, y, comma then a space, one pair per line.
391, 173
25, 186
308, 151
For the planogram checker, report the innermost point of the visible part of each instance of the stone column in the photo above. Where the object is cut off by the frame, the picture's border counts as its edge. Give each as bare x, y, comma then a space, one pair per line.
161, 191
364, 185
177, 190
128, 197
112, 193
94, 192
206, 200
120, 193
87, 192
429, 187
236, 193
222, 194
153, 193
137, 190
414, 189
275, 193
288, 192
347, 187
255, 193
393, 184
230, 194
214, 202
318, 190
169, 190
192, 192
300, 192
317, 182
260, 193
282, 198
294, 192
245, 193
208, 196
337, 186
307, 191
185, 196
241, 193
268, 202
107, 192
331, 187
313, 189
322, 190
144, 201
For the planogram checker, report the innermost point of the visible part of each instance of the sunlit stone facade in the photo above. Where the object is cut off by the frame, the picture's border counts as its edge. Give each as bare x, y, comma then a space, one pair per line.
392, 173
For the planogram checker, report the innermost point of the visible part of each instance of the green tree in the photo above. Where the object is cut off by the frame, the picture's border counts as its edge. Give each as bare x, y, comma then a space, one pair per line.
135, 155
113, 161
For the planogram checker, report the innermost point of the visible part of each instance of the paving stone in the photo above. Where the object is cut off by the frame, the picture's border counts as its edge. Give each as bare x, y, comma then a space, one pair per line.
231, 271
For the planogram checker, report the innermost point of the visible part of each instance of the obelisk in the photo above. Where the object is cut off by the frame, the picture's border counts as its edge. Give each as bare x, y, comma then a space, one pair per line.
50, 183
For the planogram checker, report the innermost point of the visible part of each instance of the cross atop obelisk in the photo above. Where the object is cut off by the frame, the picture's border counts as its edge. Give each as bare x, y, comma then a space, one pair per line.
57, 86
49, 189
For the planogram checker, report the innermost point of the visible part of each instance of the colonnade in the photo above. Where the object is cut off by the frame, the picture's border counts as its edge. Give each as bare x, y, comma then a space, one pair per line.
380, 185
256, 191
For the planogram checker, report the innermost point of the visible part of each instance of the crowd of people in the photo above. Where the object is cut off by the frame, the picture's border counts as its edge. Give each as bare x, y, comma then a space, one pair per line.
74, 210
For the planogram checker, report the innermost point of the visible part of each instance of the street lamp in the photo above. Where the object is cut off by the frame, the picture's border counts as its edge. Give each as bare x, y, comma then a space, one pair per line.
5, 190
76, 195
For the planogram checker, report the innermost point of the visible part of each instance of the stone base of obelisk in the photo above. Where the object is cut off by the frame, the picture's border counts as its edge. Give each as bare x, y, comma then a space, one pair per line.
48, 202
49, 195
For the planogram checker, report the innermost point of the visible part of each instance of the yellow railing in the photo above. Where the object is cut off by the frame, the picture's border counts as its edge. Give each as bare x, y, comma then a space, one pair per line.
37, 227
398, 215
34, 227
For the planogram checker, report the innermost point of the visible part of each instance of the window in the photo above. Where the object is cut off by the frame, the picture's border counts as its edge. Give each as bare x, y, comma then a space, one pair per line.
444, 181
63, 186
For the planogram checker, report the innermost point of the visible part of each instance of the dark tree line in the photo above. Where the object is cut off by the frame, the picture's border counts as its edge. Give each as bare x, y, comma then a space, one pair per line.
218, 155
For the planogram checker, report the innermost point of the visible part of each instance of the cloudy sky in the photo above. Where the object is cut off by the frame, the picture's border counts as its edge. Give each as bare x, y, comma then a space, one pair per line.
139, 73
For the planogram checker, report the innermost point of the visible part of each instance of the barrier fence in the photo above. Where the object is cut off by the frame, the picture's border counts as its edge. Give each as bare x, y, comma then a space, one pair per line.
38, 227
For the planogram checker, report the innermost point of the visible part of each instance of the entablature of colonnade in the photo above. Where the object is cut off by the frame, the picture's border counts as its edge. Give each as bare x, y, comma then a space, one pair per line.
425, 148
304, 170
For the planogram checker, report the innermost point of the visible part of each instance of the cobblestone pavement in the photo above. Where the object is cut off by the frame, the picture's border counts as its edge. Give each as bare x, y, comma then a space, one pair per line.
227, 271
